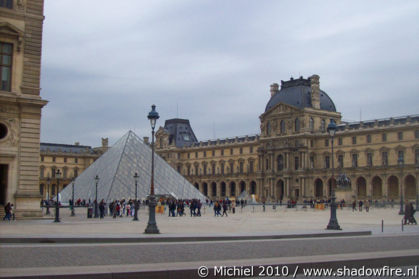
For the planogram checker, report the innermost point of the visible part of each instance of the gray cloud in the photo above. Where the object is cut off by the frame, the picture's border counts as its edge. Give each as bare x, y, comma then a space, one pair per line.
105, 62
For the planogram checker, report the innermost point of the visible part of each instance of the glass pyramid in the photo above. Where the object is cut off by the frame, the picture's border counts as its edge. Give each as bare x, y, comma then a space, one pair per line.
116, 169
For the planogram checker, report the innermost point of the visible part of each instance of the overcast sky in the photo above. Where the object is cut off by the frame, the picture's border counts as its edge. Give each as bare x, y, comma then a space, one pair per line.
105, 62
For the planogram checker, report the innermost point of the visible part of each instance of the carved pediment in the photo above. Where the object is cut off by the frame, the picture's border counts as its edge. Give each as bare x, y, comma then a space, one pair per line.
10, 31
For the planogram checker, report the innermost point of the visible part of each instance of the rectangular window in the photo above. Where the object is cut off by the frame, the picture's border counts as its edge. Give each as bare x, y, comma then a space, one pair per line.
267, 164
76, 160
311, 143
327, 162
205, 154
189, 169
384, 137
340, 141
189, 155
369, 159
251, 148
196, 154
400, 135
241, 150
368, 138
231, 151
354, 160
53, 158
417, 134
222, 152
241, 167
401, 156
6, 4
353, 140
178, 169
65, 160
5, 65
213, 153
326, 142
42, 158
296, 163
312, 162
251, 166
340, 161
384, 158
417, 157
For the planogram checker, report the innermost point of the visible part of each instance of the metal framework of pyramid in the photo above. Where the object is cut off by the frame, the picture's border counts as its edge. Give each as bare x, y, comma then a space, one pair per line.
116, 168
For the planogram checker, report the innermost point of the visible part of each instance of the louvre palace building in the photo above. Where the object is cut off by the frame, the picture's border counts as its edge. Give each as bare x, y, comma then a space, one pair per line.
291, 158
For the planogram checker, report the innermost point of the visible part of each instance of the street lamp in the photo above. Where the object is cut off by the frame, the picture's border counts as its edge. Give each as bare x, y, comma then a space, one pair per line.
48, 198
152, 225
57, 206
400, 163
136, 200
97, 181
333, 222
72, 198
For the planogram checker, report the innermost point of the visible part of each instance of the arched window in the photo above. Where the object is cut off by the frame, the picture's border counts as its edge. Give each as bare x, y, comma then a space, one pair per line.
282, 127
280, 161
311, 124
297, 124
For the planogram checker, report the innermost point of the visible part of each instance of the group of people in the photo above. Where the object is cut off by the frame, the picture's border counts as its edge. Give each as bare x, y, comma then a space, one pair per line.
366, 204
177, 207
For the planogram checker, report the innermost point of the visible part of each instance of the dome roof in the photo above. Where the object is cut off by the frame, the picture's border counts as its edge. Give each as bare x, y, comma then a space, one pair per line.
297, 93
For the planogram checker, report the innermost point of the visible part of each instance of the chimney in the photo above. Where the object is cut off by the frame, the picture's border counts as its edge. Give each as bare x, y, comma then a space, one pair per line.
315, 91
77, 143
274, 88
105, 142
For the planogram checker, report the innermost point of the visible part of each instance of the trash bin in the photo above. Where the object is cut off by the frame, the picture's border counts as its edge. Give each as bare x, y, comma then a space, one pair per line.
89, 212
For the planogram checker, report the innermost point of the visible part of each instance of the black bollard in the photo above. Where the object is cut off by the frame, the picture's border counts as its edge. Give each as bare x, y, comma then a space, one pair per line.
382, 225
402, 225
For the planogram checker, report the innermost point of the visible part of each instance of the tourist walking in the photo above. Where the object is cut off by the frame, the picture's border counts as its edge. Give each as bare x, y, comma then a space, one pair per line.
353, 205
7, 210
225, 207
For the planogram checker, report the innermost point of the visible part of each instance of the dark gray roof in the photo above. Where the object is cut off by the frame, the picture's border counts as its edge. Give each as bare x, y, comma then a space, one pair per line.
66, 148
180, 132
399, 120
297, 93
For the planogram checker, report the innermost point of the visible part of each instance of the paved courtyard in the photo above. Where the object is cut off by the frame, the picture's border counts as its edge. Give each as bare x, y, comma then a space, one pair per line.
250, 220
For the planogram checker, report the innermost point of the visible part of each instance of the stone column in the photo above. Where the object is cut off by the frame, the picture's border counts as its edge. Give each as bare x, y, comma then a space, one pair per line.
369, 187
385, 186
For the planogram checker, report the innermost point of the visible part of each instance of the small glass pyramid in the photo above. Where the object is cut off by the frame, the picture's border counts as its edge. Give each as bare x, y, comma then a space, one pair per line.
116, 169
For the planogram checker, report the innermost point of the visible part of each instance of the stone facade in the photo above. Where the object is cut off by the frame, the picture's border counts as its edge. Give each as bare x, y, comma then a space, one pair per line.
20, 104
291, 157
70, 160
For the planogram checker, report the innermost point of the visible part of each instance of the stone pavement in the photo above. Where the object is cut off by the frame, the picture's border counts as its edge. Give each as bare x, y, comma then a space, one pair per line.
255, 235
249, 221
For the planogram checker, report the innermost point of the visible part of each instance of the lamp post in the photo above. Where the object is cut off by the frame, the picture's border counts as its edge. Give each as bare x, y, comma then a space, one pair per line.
136, 200
48, 182
97, 181
400, 163
333, 222
72, 198
152, 225
57, 206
